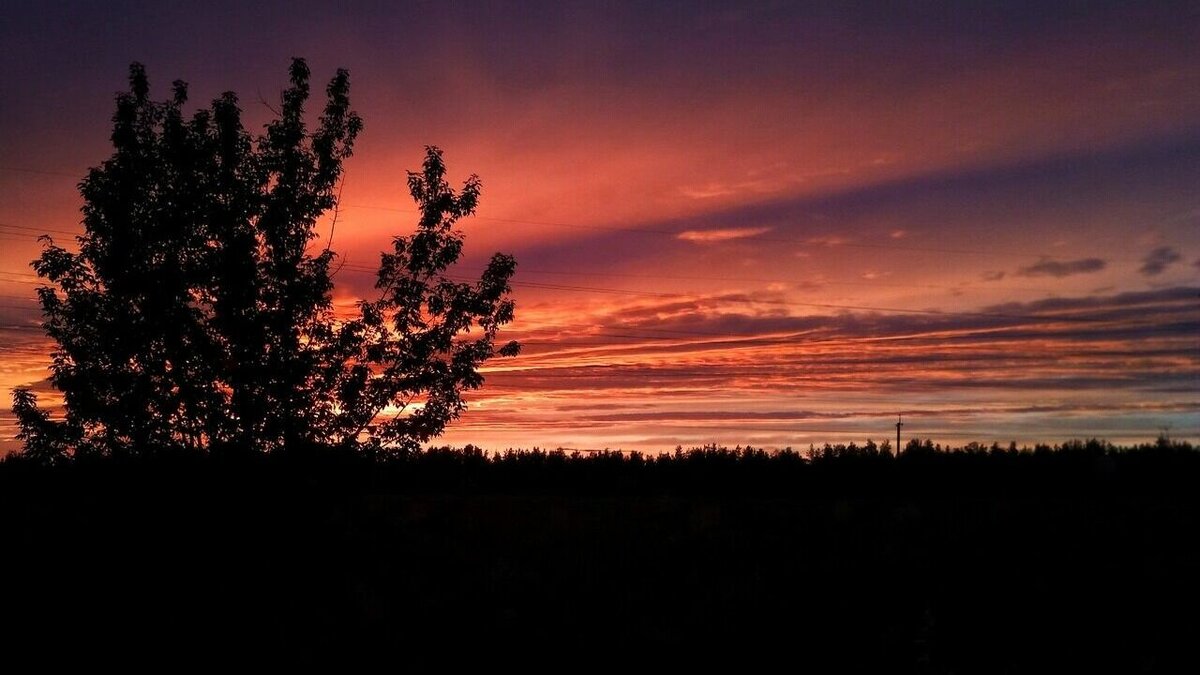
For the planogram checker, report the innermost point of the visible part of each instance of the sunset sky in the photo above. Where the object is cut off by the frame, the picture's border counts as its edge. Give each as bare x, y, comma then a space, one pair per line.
775, 223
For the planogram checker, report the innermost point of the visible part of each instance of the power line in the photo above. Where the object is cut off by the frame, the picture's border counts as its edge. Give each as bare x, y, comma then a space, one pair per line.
21, 279
600, 289
675, 233
870, 284
39, 230
741, 300
818, 305
758, 238
44, 172
822, 282
801, 241
769, 301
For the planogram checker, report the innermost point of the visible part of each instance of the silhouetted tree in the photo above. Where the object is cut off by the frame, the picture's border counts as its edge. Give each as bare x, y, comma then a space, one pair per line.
197, 312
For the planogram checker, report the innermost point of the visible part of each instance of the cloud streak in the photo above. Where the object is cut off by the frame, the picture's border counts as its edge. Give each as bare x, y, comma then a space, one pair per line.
720, 367
715, 236
1062, 268
1157, 261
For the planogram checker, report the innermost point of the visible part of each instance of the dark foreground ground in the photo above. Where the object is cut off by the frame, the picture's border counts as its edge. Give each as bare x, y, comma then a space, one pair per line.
1084, 560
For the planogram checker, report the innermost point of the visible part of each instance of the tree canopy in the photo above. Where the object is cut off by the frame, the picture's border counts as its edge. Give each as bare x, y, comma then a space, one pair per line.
197, 312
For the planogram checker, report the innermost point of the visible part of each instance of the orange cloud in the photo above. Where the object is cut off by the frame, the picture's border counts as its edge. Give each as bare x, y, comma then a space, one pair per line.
714, 236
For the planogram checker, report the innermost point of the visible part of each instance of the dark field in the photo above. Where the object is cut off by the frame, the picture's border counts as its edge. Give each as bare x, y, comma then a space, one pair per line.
1077, 559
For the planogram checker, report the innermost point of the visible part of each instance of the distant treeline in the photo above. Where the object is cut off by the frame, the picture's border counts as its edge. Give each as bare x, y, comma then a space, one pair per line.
922, 464
1080, 557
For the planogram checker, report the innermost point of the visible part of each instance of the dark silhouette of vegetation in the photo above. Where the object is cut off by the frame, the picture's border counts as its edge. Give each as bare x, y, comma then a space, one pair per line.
196, 314
1079, 557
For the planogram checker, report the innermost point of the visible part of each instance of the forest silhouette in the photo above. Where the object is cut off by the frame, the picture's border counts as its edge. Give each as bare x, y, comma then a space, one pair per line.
1079, 557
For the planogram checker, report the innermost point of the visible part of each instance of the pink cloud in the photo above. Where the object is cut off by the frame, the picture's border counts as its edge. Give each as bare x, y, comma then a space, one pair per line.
713, 236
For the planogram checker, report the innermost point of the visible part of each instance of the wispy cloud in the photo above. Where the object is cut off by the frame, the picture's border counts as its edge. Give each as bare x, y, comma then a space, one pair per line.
727, 367
1157, 261
714, 236
722, 338
827, 240
1062, 268
708, 191
755, 185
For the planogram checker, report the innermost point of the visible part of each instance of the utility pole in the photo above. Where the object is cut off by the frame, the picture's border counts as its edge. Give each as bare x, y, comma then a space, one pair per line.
899, 423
